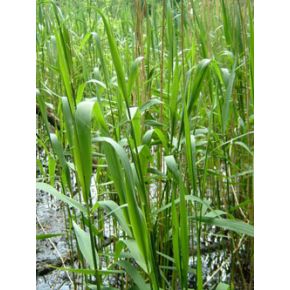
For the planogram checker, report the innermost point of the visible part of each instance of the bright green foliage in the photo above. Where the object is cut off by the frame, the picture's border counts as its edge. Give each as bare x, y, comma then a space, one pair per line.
152, 103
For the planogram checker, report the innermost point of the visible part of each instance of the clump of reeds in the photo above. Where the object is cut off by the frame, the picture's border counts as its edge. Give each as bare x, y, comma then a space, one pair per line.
153, 100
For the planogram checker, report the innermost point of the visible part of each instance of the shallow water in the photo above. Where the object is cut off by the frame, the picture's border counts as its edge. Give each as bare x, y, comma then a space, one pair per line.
50, 217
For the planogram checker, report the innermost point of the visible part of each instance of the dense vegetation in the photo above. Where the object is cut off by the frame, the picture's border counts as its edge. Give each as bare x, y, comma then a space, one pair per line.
145, 125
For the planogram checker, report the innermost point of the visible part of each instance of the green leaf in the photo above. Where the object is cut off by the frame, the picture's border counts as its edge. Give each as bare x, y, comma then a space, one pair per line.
97, 82
68, 120
226, 23
222, 286
47, 236
64, 68
135, 275
99, 117
181, 224
80, 92
215, 213
200, 74
237, 226
136, 216
175, 239
116, 172
191, 198
133, 73
83, 146
115, 57
57, 148
174, 96
135, 253
172, 166
136, 123
117, 212
158, 134
84, 242
149, 104
226, 105
51, 169
166, 256
71, 202
242, 144
43, 112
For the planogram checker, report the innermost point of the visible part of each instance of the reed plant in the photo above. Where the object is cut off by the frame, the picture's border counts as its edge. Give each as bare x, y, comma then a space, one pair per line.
145, 115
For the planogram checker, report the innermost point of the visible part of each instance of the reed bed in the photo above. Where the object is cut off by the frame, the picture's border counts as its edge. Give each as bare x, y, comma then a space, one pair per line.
145, 125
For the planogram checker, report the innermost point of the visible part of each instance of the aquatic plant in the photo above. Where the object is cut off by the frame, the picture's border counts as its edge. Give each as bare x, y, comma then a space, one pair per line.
146, 119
